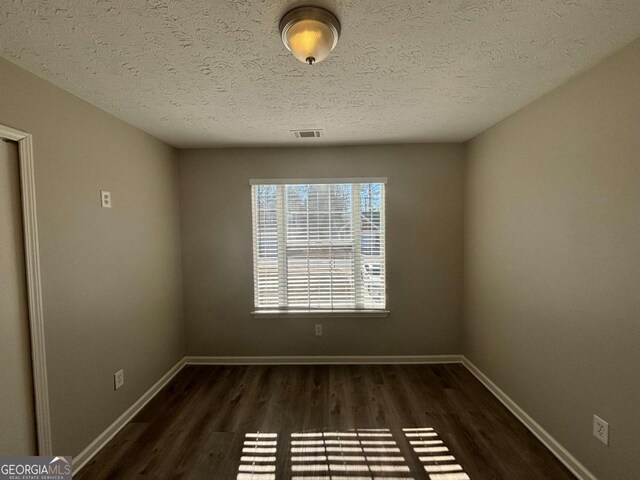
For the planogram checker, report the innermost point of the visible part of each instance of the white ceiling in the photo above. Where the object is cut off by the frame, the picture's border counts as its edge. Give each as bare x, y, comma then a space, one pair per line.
214, 73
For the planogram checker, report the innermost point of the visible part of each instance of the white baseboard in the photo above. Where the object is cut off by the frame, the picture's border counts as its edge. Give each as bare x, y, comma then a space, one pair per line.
569, 461
325, 360
94, 447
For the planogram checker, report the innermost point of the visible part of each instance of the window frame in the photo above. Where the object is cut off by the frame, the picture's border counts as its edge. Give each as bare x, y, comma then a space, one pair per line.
297, 312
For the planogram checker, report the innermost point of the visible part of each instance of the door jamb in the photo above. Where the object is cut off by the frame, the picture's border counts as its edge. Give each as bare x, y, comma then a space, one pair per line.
34, 287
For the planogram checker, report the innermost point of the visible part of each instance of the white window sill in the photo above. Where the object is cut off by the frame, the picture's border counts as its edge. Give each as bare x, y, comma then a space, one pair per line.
320, 313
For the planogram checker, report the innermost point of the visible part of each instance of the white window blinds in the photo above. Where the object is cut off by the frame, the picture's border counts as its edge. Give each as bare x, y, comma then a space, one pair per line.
319, 246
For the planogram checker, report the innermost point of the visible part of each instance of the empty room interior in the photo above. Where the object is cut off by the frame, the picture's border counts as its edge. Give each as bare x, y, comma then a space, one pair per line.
324, 240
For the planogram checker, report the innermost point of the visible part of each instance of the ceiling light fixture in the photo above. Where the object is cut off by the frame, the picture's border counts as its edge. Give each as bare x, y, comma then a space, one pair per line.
310, 33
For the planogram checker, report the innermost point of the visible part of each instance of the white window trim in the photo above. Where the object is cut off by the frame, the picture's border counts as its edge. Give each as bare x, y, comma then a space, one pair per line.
302, 181
320, 313
300, 313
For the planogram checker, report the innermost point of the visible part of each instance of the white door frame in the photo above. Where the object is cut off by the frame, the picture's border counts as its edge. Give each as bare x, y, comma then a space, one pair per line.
34, 288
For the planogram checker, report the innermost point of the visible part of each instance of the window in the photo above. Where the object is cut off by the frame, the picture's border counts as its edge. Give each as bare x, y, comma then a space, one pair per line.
318, 246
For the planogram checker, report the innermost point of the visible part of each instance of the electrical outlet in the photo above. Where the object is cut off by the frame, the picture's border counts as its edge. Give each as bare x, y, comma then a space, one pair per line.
118, 379
105, 199
601, 429
318, 330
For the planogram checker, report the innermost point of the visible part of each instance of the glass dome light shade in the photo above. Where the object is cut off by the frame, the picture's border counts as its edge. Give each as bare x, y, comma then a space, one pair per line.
310, 39
310, 33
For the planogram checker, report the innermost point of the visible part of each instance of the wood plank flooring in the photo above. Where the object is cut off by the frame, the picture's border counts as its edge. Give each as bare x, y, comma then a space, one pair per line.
357, 422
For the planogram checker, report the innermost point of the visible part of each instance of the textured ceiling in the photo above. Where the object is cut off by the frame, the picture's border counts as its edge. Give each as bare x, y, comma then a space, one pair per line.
214, 73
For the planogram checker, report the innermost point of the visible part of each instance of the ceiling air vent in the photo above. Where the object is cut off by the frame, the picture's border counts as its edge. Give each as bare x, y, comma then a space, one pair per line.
315, 133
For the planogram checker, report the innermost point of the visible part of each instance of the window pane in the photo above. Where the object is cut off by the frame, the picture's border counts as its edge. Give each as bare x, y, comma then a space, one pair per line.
372, 244
266, 246
319, 246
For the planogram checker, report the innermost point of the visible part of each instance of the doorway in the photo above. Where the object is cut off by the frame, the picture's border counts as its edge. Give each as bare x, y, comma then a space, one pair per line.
17, 409
25, 420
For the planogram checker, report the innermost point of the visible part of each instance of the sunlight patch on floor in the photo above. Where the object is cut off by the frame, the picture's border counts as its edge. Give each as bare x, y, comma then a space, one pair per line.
434, 454
359, 454
258, 460
356, 454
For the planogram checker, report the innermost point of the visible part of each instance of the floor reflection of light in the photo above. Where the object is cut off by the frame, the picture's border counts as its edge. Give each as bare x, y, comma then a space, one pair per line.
260, 463
347, 458
438, 466
438, 458
382, 449
256, 476
348, 477
345, 449
258, 450
348, 468
309, 458
426, 442
257, 468
385, 459
449, 476
310, 468
307, 450
389, 468
342, 442
442, 468
359, 454
430, 449
311, 478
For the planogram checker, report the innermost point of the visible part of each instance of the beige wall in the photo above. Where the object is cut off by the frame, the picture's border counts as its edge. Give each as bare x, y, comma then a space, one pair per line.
424, 251
552, 261
111, 278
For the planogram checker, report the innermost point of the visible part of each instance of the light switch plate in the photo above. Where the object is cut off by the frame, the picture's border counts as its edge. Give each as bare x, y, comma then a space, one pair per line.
105, 199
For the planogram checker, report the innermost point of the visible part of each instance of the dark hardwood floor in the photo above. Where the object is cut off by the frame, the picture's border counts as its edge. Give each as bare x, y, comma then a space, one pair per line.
429, 422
